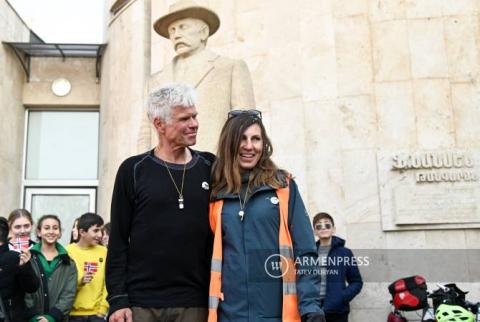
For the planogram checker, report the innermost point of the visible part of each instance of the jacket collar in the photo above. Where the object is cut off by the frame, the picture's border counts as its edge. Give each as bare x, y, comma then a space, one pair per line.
203, 62
234, 195
336, 242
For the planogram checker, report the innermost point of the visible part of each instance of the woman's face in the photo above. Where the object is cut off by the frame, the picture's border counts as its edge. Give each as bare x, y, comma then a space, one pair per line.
50, 231
251, 147
21, 227
75, 230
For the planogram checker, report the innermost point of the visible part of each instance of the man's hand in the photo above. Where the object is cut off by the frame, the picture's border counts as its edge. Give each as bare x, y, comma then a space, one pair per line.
314, 317
24, 257
122, 315
87, 278
42, 319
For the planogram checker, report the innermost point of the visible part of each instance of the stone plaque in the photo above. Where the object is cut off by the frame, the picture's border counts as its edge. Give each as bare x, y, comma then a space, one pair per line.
429, 189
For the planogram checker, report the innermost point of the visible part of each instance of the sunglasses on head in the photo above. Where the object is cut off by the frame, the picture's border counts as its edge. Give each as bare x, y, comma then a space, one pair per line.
253, 113
323, 226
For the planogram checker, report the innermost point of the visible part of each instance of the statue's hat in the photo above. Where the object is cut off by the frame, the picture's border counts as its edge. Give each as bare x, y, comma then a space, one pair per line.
186, 9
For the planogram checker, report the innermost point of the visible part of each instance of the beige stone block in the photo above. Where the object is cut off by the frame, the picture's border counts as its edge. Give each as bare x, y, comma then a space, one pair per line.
369, 314
325, 180
317, 30
381, 10
81, 94
361, 201
282, 26
319, 74
289, 141
312, 8
318, 60
396, 115
391, 59
437, 239
433, 110
50, 68
280, 74
324, 186
365, 236
359, 122
249, 5
472, 238
427, 48
226, 11
354, 56
344, 8
251, 33
11, 174
460, 7
423, 8
466, 108
373, 295
406, 240
462, 48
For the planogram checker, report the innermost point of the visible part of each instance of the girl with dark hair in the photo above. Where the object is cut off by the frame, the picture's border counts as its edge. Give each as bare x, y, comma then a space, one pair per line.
74, 234
259, 222
57, 273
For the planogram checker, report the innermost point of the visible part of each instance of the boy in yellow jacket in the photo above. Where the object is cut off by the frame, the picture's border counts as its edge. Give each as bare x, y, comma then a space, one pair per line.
90, 257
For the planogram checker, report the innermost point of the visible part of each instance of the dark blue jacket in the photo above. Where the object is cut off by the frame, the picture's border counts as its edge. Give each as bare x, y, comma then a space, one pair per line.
252, 287
344, 281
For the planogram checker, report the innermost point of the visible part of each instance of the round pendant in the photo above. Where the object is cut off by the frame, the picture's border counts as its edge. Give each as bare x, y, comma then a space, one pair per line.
241, 213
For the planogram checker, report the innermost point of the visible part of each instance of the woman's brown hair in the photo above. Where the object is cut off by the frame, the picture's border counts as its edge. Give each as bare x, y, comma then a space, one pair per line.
18, 213
226, 171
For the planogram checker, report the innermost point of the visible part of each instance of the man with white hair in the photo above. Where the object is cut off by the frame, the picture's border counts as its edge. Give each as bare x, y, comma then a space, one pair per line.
160, 242
221, 83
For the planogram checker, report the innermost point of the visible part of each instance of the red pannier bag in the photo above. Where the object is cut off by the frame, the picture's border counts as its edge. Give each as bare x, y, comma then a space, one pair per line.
409, 293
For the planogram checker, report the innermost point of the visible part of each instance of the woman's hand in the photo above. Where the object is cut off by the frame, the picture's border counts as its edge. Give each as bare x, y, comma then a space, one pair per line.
42, 319
24, 257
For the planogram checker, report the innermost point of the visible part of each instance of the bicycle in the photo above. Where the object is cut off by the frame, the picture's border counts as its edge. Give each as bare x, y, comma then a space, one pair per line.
448, 302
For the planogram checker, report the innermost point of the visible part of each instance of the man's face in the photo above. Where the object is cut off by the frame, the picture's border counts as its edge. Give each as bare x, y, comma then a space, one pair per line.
187, 35
181, 129
324, 229
91, 237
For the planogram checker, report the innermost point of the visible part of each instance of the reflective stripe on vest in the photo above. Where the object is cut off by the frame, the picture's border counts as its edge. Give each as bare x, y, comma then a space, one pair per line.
290, 311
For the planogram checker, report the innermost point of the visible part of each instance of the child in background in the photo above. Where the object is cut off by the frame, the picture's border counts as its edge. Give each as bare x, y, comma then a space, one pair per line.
90, 303
340, 278
74, 234
57, 273
106, 234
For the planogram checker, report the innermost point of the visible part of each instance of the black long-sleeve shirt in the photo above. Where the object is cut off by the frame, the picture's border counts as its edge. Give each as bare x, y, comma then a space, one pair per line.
158, 254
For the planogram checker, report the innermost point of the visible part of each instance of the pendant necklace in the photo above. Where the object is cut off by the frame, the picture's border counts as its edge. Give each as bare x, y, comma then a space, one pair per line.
179, 191
241, 212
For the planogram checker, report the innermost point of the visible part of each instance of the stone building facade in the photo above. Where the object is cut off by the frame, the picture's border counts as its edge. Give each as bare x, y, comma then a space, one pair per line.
349, 91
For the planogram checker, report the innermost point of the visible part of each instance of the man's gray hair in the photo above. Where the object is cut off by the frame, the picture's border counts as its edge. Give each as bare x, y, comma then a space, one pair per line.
162, 100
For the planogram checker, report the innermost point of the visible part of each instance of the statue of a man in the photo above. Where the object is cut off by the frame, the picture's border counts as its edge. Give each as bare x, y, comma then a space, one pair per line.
221, 83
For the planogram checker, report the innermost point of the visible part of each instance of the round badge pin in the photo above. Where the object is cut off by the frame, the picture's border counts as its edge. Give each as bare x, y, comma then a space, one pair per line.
205, 185
274, 200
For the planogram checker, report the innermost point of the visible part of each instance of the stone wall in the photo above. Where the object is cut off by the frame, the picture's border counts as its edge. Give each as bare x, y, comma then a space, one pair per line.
339, 81
125, 70
12, 121
80, 72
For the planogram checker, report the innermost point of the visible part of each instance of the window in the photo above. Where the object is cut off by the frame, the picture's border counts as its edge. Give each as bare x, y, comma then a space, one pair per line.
61, 164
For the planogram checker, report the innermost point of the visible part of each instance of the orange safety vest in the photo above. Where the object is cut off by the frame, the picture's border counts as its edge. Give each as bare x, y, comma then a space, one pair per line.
290, 311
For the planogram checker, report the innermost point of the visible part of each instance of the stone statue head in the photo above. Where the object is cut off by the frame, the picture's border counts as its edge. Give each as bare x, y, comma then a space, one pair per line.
188, 36
186, 9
